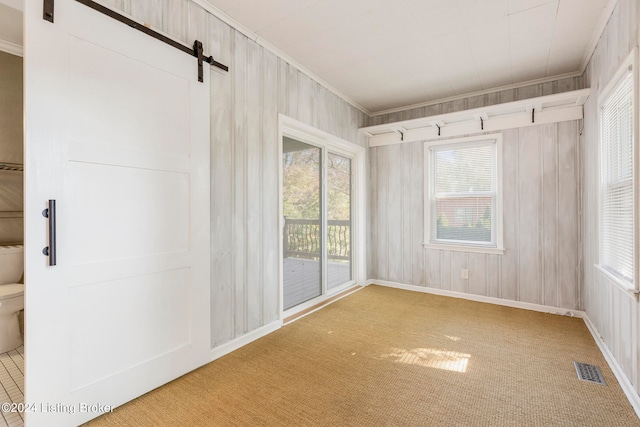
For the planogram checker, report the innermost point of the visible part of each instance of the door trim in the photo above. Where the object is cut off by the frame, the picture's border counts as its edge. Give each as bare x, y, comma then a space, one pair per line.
310, 135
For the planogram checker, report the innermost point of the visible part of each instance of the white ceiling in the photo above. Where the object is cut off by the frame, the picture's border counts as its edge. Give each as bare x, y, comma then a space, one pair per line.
11, 21
384, 54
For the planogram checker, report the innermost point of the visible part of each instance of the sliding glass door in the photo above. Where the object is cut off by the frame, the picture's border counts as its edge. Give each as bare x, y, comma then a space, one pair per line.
338, 220
302, 206
317, 230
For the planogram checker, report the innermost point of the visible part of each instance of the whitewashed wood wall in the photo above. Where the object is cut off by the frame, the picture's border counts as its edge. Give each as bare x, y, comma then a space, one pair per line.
544, 169
477, 101
613, 311
541, 221
537, 267
245, 104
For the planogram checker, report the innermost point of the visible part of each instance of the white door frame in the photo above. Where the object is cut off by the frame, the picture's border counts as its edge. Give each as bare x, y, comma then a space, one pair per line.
330, 143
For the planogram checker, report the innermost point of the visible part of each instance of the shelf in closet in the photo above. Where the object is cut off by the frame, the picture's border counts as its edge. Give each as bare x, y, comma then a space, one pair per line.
11, 214
13, 167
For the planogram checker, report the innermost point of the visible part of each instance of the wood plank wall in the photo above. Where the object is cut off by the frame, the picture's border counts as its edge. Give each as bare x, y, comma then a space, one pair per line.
244, 156
540, 195
541, 221
488, 275
477, 101
613, 311
541, 210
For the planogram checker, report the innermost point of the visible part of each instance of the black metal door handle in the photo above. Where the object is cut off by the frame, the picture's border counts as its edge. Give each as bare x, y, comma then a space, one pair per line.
50, 250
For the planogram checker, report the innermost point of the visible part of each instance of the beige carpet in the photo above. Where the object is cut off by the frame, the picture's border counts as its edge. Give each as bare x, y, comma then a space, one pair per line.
387, 357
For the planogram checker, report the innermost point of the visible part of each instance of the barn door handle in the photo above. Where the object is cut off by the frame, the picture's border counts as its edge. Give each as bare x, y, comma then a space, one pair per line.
50, 250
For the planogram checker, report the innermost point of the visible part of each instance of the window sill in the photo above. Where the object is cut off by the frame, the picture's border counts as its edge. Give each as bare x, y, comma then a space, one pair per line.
464, 248
625, 286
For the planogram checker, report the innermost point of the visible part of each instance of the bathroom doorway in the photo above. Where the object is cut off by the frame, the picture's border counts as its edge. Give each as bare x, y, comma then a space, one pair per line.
11, 201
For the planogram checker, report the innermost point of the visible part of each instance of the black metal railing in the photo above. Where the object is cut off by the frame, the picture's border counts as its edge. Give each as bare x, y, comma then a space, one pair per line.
302, 239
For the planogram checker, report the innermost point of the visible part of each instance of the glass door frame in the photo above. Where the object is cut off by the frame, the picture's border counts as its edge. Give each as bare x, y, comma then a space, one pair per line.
328, 143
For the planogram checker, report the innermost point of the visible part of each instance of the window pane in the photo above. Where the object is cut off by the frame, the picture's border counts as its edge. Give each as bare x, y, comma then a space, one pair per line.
464, 194
616, 211
464, 170
338, 220
464, 219
617, 230
302, 245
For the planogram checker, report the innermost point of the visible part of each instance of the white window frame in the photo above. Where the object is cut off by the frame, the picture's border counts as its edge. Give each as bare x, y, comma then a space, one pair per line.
629, 65
328, 143
496, 247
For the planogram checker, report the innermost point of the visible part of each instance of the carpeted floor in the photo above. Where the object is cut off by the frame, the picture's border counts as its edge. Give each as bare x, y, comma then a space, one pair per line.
388, 357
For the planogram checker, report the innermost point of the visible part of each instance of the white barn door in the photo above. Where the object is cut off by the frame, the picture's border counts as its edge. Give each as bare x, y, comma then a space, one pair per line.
117, 132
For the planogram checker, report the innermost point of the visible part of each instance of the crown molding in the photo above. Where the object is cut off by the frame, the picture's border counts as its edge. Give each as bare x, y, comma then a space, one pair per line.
597, 34
224, 17
478, 93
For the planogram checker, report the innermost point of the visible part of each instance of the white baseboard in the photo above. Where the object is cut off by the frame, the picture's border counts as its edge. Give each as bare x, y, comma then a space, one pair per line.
245, 339
481, 298
322, 304
624, 382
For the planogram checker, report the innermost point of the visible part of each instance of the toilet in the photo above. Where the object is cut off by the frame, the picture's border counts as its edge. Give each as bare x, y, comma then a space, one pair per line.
11, 296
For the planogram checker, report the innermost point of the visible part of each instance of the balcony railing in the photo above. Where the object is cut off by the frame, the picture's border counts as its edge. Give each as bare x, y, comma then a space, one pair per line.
302, 239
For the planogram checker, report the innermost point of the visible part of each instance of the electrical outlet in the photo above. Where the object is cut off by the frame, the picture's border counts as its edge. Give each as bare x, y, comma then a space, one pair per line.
464, 273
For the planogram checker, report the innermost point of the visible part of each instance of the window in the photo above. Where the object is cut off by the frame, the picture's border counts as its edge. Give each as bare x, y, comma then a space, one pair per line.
322, 219
464, 202
616, 180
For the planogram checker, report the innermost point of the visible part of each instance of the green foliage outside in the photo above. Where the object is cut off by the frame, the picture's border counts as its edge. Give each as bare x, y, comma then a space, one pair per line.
301, 185
301, 200
481, 229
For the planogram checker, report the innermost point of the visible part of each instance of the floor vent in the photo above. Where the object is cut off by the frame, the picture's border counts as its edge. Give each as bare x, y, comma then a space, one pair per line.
589, 373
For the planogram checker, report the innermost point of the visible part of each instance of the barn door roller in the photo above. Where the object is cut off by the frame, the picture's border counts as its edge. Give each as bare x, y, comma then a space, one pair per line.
195, 51
47, 13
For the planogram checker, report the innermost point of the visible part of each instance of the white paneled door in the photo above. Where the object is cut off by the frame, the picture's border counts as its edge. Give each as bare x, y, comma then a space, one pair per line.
117, 132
